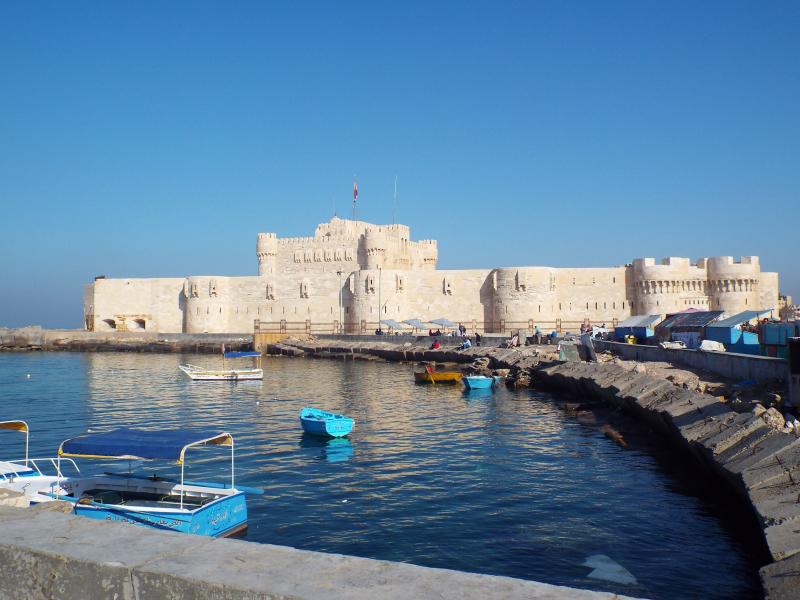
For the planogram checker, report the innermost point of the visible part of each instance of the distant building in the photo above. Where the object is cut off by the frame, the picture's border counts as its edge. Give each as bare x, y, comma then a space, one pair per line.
355, 273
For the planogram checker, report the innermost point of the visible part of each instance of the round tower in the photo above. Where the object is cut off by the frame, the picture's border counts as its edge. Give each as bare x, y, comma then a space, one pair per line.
375, 245
524, 295
660, 288
206, 305
734, 286
267, 252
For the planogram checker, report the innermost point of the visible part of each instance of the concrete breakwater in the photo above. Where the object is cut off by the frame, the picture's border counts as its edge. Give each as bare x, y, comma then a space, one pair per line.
36, 338
757, 460
46, 554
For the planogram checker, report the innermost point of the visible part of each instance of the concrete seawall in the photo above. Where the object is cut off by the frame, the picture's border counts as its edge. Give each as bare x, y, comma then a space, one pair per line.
758, 462
46, 554
726, 364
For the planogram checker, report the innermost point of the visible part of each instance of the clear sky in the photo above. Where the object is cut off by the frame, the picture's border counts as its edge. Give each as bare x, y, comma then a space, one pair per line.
157, 138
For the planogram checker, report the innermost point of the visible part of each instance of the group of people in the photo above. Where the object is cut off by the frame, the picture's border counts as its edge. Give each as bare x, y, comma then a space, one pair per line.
460, 331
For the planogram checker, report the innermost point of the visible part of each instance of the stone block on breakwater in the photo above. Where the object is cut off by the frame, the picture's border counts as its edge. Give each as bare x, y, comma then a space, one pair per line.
779, 580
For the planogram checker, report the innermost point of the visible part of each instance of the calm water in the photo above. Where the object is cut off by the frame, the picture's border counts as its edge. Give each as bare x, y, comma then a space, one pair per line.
503, 484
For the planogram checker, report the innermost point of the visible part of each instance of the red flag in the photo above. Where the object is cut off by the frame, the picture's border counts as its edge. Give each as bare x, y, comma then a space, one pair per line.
355, 191
223, 348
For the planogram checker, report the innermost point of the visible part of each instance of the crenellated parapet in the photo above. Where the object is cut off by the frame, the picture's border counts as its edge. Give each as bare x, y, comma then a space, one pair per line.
717, 283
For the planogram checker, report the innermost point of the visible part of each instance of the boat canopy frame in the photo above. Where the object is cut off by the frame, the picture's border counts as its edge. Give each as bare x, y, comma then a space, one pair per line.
206, 438
19, 426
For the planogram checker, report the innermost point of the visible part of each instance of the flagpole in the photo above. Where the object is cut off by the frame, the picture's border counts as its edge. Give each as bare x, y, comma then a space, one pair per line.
394, 202
355, 196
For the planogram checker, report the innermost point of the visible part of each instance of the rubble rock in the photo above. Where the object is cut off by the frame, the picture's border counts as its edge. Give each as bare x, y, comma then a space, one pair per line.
773, 418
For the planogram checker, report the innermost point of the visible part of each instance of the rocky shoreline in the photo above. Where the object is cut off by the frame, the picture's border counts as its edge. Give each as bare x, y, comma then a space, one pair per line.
31, 339
742, 442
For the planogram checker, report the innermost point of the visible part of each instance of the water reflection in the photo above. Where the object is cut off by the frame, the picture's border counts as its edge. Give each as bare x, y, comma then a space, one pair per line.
332, 450
478, 394
503, 483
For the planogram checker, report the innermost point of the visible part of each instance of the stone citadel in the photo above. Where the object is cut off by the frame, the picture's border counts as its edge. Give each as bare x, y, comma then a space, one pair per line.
350, 272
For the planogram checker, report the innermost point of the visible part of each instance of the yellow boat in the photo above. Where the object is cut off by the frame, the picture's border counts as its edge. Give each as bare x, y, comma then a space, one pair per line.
431, 376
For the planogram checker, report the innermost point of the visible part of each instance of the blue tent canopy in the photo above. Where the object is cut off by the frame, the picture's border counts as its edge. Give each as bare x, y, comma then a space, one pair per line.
241, 354
416, 323
444, 323
393, 324
127, 443
640, 321
739, 318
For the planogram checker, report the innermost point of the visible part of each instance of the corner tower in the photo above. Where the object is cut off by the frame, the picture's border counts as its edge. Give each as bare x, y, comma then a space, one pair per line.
267, 252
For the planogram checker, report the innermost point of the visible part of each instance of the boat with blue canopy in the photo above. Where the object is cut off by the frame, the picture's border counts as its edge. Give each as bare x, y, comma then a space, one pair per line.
320, 422
240, 374
201, 508
478, 382
34, 477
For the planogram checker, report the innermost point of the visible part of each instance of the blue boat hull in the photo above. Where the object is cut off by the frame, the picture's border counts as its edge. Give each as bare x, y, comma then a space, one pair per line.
318, 422
478, 383
222, 517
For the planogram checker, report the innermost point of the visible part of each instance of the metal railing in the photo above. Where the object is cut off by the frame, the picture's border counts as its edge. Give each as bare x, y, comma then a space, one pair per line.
364, 327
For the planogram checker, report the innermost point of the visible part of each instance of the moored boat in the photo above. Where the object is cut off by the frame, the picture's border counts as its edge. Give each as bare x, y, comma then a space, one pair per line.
34, 477
241, 374
320, 422
431, 375
200, 508
478, 382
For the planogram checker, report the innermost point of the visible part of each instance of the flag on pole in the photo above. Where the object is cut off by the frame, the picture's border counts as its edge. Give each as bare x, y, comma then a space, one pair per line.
223, 348
355, 191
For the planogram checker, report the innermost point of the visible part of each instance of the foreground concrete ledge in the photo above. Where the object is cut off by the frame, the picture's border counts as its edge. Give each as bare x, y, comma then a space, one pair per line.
47, 554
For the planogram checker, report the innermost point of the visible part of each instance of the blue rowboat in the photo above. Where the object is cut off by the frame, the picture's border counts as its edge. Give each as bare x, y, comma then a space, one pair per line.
320, 422
189, 507
478, 382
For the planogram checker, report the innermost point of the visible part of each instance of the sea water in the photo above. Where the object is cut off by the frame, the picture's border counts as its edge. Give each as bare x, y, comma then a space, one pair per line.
500, 482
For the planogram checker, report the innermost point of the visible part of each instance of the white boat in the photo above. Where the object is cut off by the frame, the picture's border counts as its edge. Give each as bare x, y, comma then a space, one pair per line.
242, 374
37, 478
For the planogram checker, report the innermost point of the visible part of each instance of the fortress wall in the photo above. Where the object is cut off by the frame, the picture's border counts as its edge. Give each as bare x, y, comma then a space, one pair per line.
459, 295
598, 294
297, 282
317, 255
127, 302
455, 295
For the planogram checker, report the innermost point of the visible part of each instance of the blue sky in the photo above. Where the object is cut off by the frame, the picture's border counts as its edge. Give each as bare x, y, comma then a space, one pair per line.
156, 139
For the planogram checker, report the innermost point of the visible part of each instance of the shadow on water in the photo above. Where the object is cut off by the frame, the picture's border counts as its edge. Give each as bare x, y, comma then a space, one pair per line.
504, 483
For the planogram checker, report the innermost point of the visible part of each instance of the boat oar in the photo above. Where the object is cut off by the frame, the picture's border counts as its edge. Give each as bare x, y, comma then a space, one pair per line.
429, 369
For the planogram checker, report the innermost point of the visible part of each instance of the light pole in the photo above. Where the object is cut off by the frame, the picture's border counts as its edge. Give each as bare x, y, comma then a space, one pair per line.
341, 320
379, 298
